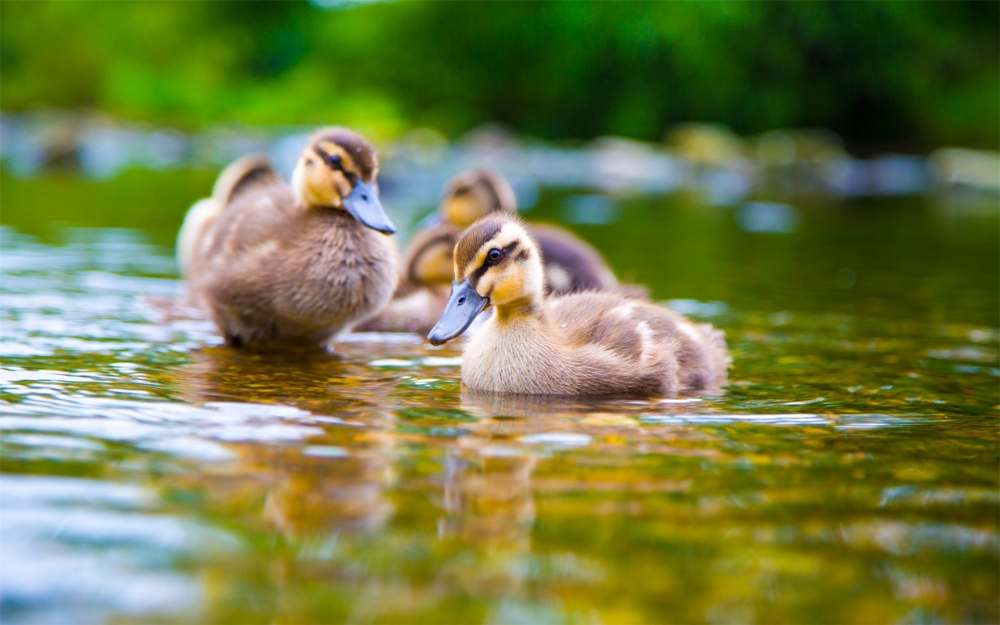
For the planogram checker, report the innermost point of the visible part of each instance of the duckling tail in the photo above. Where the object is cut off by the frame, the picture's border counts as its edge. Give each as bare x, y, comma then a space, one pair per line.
197, 221
252, 170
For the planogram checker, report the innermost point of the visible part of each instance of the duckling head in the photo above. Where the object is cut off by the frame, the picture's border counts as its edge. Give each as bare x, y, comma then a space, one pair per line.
496, 264
431, 263
338, 169
475, 193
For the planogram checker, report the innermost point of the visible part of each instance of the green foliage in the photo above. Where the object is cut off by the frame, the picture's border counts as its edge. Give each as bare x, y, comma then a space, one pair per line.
913, 74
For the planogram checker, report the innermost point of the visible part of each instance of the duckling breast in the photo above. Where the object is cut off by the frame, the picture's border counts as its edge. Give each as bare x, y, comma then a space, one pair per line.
340, 271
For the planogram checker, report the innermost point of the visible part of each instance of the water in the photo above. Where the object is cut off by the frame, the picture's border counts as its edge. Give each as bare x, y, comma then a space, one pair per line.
849, 473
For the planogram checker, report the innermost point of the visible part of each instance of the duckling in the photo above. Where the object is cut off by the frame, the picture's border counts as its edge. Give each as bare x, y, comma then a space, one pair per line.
570, 264
288, 264
589, 343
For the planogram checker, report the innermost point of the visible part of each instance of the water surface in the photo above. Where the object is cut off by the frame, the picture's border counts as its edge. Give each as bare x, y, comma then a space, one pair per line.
849, 473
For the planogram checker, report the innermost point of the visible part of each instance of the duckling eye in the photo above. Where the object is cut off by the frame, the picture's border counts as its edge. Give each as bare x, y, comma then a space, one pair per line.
494, 255
332, 161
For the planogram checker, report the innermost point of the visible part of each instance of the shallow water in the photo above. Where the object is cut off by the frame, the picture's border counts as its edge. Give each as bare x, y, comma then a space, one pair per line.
849, 473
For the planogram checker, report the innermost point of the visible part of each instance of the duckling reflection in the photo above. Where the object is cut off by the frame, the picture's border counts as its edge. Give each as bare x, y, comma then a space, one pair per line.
489, 492
488, 496
337, 483
321, 489
333, 480
316, 381
521, 411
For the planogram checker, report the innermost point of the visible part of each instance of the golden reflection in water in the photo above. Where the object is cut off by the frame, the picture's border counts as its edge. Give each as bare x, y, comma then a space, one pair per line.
331, 482
523, 406
310, 379
315, 496
488, 496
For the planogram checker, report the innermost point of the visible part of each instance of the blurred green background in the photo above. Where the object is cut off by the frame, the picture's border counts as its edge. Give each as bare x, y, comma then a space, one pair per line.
906, 76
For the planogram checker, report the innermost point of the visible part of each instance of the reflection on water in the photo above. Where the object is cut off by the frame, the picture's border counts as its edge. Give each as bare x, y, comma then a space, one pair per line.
847, 474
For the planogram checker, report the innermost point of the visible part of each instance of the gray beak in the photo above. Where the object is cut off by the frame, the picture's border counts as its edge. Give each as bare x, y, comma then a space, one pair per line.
463, 306
363, 205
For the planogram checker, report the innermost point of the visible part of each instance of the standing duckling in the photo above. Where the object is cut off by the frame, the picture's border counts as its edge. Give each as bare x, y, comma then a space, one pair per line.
292, 264
570, 264
591, 343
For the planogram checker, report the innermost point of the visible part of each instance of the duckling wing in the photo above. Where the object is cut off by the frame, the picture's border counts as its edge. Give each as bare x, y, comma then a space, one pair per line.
603, 319
239, 178
571, 265
268, 215
645, 338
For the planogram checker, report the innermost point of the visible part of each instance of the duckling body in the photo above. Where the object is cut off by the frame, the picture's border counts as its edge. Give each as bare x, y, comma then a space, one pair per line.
571, 265
595, 344
591, 343
294, 265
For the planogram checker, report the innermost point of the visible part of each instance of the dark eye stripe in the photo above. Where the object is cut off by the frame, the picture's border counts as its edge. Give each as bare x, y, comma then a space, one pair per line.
333, 162
504, 252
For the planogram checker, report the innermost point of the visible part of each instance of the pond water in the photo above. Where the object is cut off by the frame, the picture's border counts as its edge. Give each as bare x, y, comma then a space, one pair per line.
849, 473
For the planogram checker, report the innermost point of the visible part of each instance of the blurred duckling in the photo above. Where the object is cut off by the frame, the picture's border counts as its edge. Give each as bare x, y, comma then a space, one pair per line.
570, 264
589, 343
292, 264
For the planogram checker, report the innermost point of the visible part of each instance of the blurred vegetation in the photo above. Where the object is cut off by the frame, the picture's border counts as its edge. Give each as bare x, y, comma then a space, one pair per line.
910, 75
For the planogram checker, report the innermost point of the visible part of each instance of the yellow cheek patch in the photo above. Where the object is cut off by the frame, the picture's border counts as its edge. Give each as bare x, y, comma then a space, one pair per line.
508, 286
325, 187
462, 211
434, 265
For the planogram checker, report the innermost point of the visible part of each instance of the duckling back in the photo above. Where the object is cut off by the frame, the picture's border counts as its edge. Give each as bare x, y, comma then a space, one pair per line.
571, 265
240, 176
661, 350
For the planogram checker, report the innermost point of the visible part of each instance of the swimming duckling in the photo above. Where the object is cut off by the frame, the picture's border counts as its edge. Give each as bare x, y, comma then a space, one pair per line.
570, 264
279, 263
590, 343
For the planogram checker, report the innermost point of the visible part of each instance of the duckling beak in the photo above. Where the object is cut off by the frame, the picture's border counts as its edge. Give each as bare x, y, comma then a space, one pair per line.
463, 306
363, 205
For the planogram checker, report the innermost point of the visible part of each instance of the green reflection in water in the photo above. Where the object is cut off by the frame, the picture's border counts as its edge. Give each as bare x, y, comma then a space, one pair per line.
848, 473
